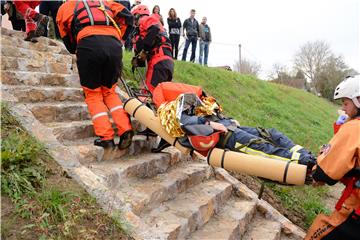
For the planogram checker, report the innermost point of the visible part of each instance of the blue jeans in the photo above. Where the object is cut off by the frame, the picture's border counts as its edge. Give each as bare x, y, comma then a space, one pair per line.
204, 50
193, 41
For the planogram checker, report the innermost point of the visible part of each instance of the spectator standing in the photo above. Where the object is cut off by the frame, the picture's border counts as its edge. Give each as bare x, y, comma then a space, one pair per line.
51, 8
156, 10
174, 31
205, 39
17, 21
191, 27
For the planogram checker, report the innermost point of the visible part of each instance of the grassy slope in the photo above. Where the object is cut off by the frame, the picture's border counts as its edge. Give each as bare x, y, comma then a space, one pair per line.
303, 117
38, 201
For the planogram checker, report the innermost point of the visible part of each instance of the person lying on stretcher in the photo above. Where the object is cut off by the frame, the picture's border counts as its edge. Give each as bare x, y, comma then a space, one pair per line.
198, 122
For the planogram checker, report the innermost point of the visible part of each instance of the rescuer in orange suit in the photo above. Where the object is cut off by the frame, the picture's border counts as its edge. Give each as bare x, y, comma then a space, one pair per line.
339, 161
94, 30
152, 45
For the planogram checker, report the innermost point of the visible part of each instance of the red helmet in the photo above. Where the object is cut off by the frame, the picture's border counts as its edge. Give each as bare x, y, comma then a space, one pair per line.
203, 144
140, 10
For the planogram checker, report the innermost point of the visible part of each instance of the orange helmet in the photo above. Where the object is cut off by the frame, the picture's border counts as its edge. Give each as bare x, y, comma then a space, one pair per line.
140, 10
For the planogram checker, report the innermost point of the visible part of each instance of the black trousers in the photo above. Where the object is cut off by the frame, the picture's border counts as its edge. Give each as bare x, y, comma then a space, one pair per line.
175, 38
18, 24
51, 7
99, 61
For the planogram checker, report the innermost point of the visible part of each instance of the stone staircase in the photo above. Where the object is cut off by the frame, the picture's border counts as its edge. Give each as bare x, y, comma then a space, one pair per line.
161, 196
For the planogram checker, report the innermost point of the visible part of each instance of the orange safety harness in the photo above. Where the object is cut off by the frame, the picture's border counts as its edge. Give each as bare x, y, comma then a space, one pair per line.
90, 13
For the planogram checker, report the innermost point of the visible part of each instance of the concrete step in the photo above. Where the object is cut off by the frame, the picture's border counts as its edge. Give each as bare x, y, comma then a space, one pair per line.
15, 39
229, 224
59, 112
146, 165
91, 153
147, 194
27, 78
19, 52
30, 94
261, 228
41, 64
189, 211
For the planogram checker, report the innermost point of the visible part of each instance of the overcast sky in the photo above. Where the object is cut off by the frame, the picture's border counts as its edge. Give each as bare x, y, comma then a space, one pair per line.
272, 31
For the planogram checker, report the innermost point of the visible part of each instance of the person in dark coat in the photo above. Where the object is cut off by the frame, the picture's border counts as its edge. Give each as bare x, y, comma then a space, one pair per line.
174, 31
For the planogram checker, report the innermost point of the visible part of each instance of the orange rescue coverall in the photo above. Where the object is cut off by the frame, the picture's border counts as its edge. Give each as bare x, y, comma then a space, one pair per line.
337, 158
98, 49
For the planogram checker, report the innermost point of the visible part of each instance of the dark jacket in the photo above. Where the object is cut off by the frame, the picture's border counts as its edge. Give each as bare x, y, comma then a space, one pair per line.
174, 26
191, 27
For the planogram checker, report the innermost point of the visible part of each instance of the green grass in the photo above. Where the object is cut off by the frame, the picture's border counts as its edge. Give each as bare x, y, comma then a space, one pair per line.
43, 203
305, 118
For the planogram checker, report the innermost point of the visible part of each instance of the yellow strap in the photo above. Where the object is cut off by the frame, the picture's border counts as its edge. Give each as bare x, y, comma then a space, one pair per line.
254, 152
102, 8
296, 148
295, 156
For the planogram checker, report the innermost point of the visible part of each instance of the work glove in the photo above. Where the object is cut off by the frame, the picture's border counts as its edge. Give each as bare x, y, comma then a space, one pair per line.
341, 119
142, 55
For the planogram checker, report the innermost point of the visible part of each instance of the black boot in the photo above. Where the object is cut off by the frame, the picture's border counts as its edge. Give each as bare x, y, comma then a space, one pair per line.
30, 37
147, 132
106, 144
162, 145
125, 139
42, 22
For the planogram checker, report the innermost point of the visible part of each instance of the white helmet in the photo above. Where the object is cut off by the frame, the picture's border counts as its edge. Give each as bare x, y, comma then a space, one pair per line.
349, 88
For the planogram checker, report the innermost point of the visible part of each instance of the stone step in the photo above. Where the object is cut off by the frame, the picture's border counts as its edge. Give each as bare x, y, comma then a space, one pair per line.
229, 224
145, 165
91, 153
147, 194
189, 211
76, 130
263, 229
59, 112
30, 94
72, 131
19, 52
27, 78
15, 39
43, 65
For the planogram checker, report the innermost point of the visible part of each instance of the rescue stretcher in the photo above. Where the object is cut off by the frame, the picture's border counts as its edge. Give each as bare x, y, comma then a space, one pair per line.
286, 172
138, 103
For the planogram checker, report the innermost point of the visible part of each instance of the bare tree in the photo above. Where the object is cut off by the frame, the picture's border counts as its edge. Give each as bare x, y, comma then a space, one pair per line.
311, 59
248, 67
331, 75
279, 72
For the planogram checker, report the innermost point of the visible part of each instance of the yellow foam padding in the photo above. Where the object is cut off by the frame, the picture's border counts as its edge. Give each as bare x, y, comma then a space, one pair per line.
259, 166
147, 117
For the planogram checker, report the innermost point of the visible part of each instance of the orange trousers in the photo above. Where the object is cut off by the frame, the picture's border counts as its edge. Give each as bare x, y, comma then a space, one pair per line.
100, 102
